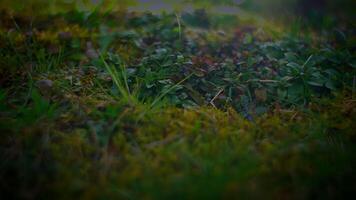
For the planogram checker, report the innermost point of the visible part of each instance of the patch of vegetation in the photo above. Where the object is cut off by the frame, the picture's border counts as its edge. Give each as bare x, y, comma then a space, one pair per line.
98, 104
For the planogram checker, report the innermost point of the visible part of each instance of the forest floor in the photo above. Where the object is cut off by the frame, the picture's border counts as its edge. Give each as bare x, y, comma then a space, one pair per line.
129, 105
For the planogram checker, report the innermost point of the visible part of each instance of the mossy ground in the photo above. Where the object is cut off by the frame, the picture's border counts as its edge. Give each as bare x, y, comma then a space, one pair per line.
116, 105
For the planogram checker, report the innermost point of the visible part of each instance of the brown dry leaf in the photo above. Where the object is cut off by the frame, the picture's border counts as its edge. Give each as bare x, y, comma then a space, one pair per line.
261, 94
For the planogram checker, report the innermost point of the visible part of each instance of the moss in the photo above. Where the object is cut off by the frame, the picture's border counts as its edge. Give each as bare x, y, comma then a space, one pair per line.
165, 151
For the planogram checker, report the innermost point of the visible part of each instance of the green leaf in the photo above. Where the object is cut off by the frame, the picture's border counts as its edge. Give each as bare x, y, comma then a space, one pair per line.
293, 65
291, 57
282, 94
196, 96
330, 85
317, 84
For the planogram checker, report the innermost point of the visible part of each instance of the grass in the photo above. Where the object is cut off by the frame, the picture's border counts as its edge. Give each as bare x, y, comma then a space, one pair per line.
116, 105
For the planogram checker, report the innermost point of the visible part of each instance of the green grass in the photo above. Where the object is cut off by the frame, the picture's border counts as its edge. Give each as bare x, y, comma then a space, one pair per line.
115, 105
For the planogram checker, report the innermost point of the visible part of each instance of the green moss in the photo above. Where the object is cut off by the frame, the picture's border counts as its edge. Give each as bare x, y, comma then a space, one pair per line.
181, 153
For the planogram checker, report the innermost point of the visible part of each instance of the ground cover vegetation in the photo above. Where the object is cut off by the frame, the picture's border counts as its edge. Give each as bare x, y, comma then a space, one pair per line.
105, 103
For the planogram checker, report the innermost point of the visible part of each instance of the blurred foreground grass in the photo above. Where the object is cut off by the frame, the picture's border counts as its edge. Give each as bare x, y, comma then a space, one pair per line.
184, 154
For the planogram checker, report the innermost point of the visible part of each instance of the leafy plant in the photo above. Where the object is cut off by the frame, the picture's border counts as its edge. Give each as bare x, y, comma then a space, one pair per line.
156, 87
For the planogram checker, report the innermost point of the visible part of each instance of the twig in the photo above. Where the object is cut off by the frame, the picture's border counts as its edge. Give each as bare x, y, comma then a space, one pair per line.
263, 81
216, 96
293, 116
